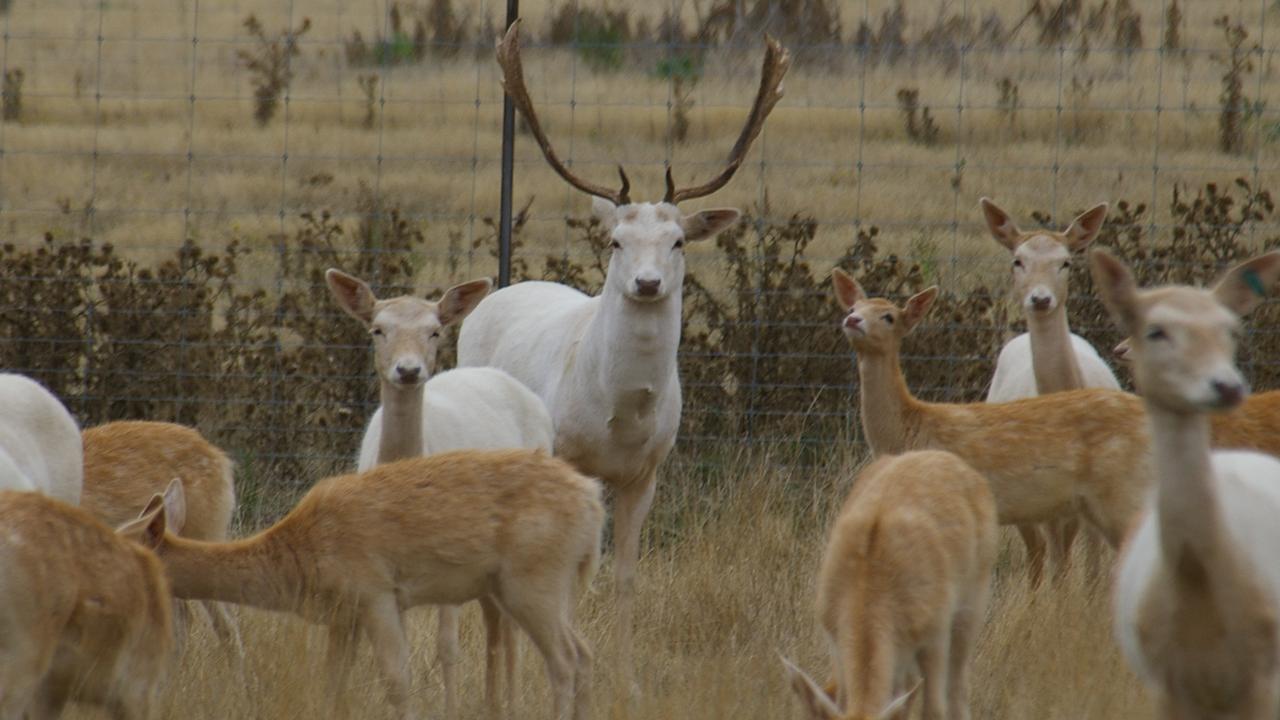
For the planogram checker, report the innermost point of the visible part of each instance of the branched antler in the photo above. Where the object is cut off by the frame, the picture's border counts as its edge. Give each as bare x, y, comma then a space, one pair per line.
513, 83
776, 63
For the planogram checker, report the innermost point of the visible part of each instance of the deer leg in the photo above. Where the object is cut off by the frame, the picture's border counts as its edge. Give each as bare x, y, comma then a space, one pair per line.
1034, 542
448, 655
934, 660
1062, 535
631, 505
541, 606
384, 625
338, 658
500, 646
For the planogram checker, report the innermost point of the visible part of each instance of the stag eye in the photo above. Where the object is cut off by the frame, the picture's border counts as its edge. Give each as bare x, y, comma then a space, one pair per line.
888, 317
1155, 333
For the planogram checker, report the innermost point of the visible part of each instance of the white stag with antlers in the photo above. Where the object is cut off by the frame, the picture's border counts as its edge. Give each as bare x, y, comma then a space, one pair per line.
606, 365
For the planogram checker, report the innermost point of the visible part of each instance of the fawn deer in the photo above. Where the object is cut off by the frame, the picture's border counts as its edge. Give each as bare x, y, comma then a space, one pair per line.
1255, 424
358, 550
85, 613
424, 413
1048, 358
1198, 587
606, 365
1092, 446
127, 462
904, 582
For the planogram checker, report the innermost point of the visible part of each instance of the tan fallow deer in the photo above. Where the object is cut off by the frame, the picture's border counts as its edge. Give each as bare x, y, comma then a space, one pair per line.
606, 365
1197, 591
904, 585
1048, 358
1255, 425
358, 550
85, 613
424, 412
129, 461
1092, 451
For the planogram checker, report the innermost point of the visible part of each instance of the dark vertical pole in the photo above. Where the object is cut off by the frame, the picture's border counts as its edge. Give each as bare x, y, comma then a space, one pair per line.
508, 152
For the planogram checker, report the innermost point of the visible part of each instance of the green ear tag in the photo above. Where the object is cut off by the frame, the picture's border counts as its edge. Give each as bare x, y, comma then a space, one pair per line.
1254, 282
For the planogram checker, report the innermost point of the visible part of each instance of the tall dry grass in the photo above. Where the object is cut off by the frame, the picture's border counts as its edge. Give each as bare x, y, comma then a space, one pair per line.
726, 585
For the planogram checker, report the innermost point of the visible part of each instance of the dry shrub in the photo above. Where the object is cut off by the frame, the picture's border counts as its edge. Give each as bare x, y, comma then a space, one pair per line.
271, 64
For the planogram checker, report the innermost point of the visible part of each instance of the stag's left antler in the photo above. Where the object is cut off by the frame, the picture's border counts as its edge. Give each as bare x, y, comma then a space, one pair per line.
776, 63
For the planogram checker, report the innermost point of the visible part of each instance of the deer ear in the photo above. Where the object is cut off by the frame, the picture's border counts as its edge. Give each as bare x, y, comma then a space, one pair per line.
897, 703
1122, 350
175, 506
352, 294
1085, 227
1117, 288
604, 211
1001, 226
708, 223
460, 300
818, 704
848, 291
149, 527
1246, 285
918, 306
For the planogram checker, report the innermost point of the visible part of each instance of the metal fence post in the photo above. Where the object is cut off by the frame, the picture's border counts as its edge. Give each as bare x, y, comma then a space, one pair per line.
508, 152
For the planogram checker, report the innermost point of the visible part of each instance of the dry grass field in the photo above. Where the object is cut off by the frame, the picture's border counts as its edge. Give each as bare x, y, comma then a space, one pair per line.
726, 586
137, 129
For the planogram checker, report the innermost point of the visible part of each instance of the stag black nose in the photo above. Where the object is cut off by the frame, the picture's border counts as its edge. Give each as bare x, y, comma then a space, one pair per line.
1230, 394
647, 288
408, 374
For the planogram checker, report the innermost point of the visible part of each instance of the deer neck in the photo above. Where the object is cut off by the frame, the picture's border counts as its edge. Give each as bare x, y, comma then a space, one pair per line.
629, 349
1191, 531
261, 571
401, 423
888, 409
1053, 357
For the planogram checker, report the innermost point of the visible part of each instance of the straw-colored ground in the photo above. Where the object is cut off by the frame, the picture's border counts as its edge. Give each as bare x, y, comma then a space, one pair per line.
169, 148
726, 586
137, 129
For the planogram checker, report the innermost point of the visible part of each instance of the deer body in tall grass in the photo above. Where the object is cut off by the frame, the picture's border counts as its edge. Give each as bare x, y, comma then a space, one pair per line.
128, 462
904, 584
1048, 358
1091, 451
358, 550
424, 413
1198, 587
606, 365
85, 613
39, 441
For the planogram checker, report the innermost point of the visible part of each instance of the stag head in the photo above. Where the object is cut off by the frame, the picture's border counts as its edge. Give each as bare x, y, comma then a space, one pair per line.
647, 239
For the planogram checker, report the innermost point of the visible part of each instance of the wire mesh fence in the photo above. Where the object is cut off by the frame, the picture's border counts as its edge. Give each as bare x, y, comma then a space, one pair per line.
176, 176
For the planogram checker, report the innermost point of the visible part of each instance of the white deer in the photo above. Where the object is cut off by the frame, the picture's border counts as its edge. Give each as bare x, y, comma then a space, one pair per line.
358, 550
606, 365
426, 413
904, 585
127, 462
1198, 586
39, 441
1048, 358
85, 613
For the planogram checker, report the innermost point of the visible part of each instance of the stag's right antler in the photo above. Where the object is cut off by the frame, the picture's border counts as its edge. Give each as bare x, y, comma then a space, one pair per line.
513, 83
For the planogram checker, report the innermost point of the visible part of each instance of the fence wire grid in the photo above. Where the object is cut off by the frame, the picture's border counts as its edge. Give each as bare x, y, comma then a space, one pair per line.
175, 176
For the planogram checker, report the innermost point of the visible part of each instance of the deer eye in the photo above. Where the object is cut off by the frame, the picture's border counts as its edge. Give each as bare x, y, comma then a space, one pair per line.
615, 245
679, 244
1066, 265
376, 332
1017, 263
1155, 332
435, 334
888, 317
